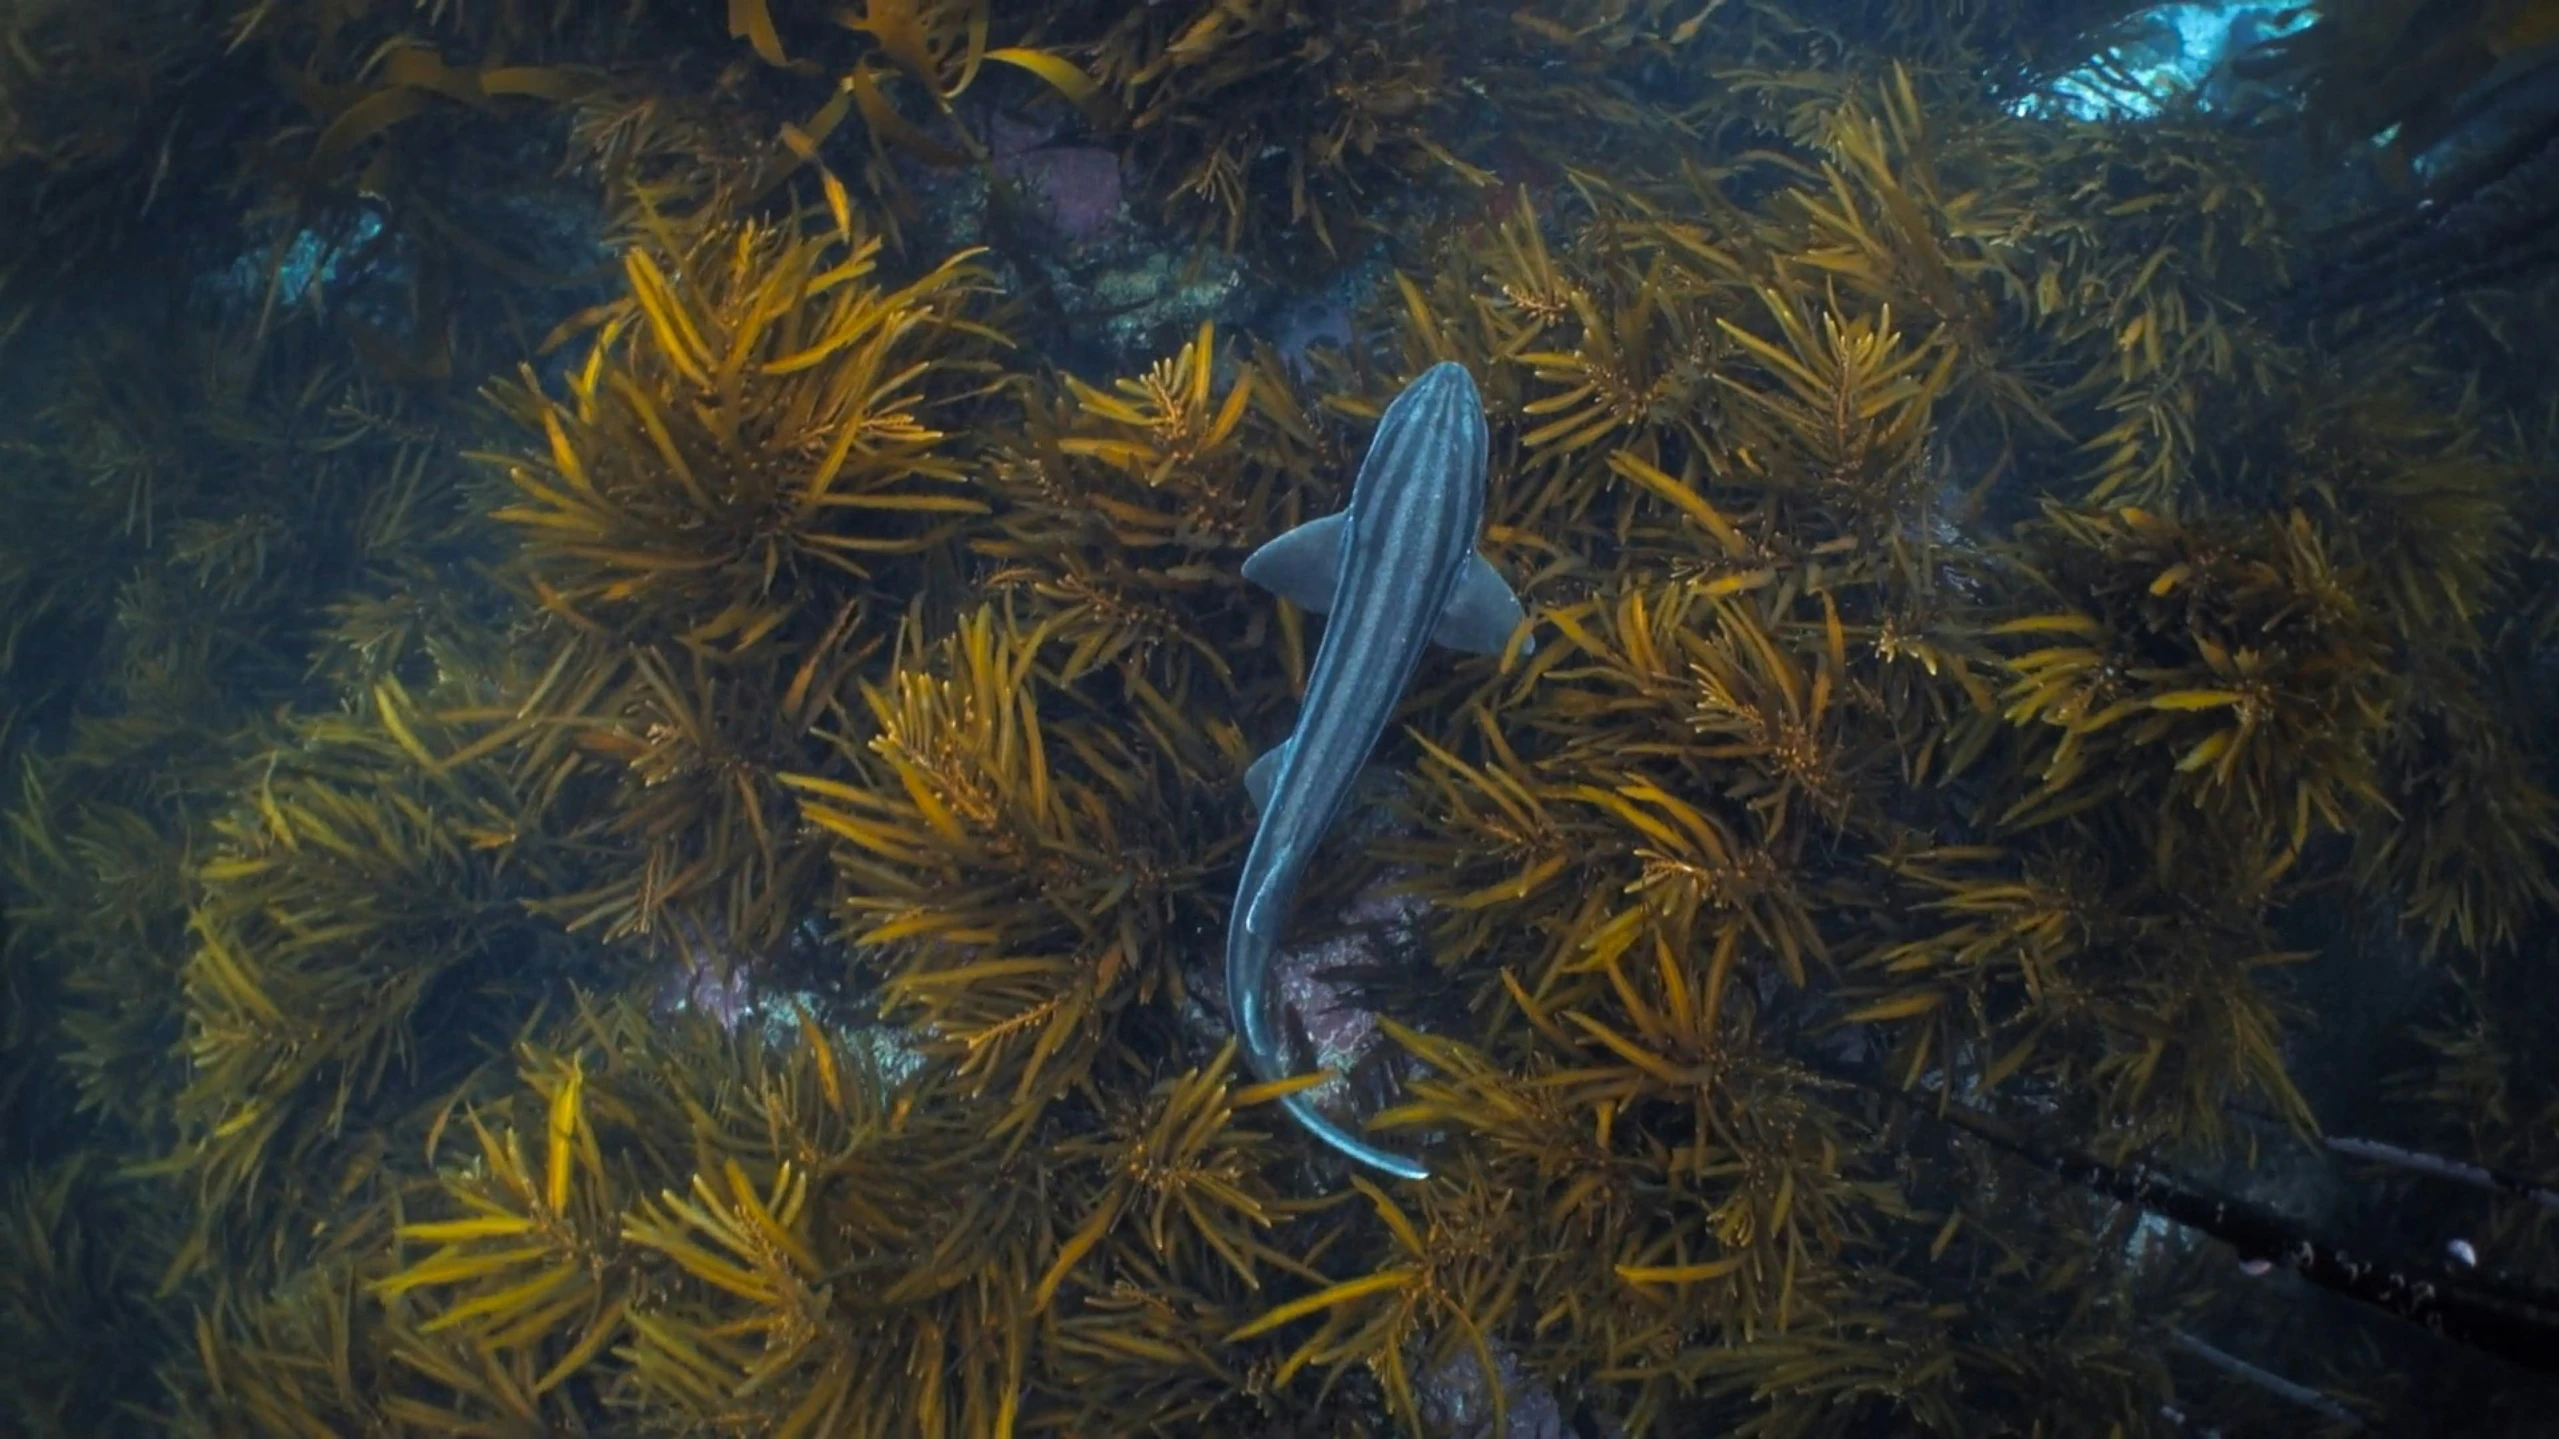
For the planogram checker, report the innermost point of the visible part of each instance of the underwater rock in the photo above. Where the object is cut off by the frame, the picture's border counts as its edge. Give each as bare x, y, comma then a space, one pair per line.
704, 974
1382, 925
1457, 1400
1159, 294
1379, 924
1077, 186
1079, 190
1297, 321
1105, 292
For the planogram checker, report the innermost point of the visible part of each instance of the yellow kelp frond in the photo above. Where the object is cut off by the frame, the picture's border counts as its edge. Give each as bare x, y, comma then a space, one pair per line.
1841, 414
704, 835
1129, 513
2054, 976
2072, 287
1441, 1283
353, 894
741, 489
1582, 1182
1653, 700
530, 1278
801, 1314
525, 1281
546, 1279
750, 439
2233, 673
1173, 419
1640, 353
1013, 861
1177, 1179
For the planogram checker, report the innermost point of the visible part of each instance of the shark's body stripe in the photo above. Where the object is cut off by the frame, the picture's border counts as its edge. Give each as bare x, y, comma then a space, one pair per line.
1412, 523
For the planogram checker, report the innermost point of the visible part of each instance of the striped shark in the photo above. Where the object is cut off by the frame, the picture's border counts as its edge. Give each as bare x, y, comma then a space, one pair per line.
1394, 573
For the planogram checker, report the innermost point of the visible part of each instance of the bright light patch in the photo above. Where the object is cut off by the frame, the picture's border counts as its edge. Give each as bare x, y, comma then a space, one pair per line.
2179, 48
309, 260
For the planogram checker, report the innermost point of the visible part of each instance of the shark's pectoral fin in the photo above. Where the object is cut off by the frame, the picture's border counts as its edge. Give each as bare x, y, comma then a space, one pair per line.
1269, 909
1302, 565
1482, 614
1265, 773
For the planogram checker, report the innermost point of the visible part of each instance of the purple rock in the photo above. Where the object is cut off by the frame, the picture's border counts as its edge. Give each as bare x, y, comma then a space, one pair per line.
1078, 185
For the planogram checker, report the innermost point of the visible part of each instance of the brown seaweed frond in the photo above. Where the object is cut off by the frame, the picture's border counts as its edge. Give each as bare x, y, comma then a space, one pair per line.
2140, 999
99, 893
1020, 870
706, 830
360, 887
1703, 843
748, 441
1843, 416
2473, 857
1445, 1283
77, 1269
2415, 499
856, 1265
534, 1280
2234, 674
1636, 369
95, 135
1130, 510
300, 1357
741, 491
1179, 1230
2477, 1094
547, 1290
1195, 1181
2083, 291
1258, 118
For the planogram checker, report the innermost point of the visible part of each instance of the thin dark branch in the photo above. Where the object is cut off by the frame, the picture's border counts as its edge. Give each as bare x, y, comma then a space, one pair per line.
2268, 1380
2424, 1294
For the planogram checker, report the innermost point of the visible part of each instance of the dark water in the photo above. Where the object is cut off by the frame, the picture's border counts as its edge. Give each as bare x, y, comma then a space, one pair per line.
627, 669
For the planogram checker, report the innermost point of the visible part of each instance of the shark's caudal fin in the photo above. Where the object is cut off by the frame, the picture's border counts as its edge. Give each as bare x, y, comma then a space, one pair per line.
1351, 1145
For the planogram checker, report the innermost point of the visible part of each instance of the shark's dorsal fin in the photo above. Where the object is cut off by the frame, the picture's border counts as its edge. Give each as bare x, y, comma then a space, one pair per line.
1265, 773
1483, 612
1302, 565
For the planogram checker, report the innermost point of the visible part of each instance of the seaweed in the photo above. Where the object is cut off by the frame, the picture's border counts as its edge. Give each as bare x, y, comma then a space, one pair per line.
1020, 878
740, 485
1256, 119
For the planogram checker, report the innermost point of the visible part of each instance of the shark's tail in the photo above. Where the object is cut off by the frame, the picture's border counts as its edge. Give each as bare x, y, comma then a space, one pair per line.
1322, 1127
1251, 937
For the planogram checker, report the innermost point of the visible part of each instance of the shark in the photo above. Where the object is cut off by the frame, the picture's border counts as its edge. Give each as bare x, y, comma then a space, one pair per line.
1394, 573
